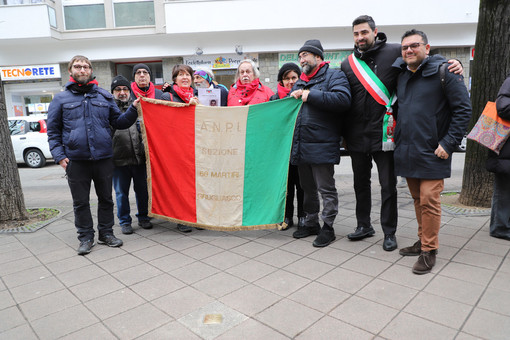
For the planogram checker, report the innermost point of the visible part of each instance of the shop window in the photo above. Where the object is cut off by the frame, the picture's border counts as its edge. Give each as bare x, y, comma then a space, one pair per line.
133, 13
84, 14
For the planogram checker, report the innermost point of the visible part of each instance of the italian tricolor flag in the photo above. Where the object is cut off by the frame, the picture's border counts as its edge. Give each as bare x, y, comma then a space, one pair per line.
222, 168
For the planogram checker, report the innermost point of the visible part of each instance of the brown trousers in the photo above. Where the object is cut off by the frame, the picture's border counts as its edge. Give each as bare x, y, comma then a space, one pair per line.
427, 204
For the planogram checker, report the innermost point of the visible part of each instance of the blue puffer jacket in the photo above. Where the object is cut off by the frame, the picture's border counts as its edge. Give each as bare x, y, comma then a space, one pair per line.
79, 124
317, 132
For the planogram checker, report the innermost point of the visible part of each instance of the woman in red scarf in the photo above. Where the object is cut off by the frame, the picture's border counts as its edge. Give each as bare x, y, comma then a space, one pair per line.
287, 77
248, 89
181, 91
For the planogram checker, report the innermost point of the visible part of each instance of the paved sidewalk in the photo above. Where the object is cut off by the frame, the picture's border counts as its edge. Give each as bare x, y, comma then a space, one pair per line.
257, 284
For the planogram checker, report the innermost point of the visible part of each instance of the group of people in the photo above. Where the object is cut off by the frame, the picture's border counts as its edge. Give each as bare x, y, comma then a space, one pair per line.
394, 104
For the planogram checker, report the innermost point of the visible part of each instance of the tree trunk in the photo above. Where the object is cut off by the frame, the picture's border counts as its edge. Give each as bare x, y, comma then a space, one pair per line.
490, 67
12, 202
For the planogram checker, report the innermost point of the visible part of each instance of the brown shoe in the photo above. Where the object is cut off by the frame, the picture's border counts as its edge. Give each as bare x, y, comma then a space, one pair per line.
413, 250
425, 262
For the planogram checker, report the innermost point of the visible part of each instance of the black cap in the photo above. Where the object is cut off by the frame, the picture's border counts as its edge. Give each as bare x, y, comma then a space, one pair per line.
120, 81
313, 46
139, 66
288, 67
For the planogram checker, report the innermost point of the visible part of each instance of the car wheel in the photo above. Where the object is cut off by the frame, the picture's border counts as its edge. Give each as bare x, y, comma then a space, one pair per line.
34, 158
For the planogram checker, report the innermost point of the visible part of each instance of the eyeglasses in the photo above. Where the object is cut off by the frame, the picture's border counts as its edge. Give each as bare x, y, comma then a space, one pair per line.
413, 46
79, 67
303, 55
141, 72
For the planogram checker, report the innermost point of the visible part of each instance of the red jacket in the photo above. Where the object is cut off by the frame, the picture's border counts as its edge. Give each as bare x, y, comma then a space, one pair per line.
262, 95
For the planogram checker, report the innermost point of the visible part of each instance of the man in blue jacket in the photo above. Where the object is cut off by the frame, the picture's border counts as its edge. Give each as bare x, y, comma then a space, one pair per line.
79, 135
432, 118
316, 145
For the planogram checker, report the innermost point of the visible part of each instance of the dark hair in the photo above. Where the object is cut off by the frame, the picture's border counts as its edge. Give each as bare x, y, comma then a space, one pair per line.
364, 19
415, 32
78, 58
181, 67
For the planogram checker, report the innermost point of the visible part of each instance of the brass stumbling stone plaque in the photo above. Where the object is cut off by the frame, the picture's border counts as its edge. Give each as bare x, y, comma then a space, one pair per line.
210, 319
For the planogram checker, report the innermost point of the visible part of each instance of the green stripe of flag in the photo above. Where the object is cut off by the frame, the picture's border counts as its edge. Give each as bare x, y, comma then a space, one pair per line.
269, 132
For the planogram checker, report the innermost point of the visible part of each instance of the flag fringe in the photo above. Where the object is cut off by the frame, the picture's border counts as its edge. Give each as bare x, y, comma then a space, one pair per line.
218, 228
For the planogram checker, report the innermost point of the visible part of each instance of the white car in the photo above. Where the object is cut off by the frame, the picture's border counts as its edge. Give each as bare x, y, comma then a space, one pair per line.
30, 140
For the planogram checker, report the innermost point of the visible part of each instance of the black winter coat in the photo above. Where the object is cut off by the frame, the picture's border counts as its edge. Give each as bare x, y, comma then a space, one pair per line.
363, 124
128, 147
428, 115
501, 163
317, 132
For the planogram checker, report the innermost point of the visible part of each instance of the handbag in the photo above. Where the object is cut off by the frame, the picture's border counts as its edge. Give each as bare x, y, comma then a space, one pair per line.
490, 130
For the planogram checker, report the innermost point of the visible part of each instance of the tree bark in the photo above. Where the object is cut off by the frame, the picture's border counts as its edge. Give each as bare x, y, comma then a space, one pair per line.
12, 201
490, 67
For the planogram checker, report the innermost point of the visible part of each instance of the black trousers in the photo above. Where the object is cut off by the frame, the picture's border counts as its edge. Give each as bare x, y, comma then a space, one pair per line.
80, 175
293, 182
362, 168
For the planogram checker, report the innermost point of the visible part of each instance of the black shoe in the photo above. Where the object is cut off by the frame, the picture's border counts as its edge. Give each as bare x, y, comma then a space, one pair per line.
110, 240
301, 222
326, 236
184, 228
289, 221
360, 233
307, 231
145, 224
85, 247
389, 243
126, 229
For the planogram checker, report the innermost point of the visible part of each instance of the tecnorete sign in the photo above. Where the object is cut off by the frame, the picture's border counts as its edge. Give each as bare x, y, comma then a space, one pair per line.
49, 71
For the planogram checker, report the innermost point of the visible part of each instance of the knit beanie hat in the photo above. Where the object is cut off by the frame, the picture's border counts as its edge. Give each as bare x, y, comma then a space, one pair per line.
139, 66
120, 81
288, 67
313, 46
206, 74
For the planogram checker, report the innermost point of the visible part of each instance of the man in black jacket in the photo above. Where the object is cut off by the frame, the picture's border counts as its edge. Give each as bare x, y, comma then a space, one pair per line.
129, 163
432, 118
368, 126
316, 145
500, 166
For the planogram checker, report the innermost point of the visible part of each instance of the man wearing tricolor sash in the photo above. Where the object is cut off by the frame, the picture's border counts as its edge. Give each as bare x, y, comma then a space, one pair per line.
316, 145
369, 126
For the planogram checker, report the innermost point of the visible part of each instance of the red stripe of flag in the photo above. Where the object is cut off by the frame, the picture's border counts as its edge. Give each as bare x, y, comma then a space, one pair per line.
173, 174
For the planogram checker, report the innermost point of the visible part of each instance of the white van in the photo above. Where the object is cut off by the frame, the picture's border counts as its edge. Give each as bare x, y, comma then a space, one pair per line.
30, 140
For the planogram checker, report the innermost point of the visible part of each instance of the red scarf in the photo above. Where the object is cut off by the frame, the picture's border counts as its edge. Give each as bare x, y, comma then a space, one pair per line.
185, 93
308, 78
282, 91
93, 81
247, 91
150, 93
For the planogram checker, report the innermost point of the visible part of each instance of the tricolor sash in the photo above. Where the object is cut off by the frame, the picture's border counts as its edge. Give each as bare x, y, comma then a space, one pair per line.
381, 95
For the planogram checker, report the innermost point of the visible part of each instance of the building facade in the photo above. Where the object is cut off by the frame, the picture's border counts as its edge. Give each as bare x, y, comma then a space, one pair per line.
39, 37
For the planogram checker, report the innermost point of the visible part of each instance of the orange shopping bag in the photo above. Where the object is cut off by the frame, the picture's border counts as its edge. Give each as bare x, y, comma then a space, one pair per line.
490, 130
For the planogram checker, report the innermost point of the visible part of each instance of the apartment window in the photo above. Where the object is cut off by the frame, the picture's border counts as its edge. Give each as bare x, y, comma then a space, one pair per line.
79, 14
20, 2
133, 13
